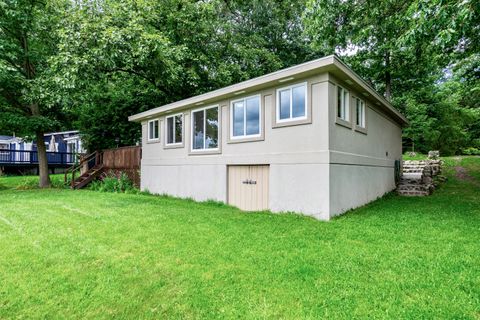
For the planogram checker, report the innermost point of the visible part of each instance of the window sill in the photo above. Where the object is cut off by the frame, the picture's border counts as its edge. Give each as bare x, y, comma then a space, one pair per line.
204, 152
361, 130
174, 146
246, 139
293, 122
153, 141
343, 123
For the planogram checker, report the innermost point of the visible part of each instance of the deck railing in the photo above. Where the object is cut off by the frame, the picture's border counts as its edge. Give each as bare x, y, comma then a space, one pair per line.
15, 157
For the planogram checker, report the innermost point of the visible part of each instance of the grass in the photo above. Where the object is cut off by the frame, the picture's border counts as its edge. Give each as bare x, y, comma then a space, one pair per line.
418, 156
28, 182
85, 254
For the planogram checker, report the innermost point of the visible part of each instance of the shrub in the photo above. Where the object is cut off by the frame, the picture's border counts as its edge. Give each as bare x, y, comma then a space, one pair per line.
471, 151
31, 182
114, 182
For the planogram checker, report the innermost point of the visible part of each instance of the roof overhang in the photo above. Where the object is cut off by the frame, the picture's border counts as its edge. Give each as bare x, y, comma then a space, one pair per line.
72, 138
10, 140
330, 64
62, 132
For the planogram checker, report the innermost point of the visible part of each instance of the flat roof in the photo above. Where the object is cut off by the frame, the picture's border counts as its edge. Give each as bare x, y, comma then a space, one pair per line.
326, 64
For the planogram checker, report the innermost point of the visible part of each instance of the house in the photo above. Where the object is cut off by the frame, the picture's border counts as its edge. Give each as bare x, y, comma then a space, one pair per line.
21, 153
68, 142
314, 139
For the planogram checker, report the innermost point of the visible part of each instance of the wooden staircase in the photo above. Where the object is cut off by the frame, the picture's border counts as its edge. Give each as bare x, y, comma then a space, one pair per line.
91, 166
87, 177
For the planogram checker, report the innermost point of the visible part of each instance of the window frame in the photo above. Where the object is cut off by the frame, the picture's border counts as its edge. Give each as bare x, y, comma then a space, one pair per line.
192, 130
346, 106
362, 124
246, 136
148, 130
277, 103
175, 144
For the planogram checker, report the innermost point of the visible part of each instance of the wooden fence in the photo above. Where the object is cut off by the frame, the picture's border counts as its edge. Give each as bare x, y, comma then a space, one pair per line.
124, 159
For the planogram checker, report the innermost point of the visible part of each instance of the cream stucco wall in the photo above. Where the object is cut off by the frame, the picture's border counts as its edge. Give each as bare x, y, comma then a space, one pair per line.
312, 165
297, 155
361, 163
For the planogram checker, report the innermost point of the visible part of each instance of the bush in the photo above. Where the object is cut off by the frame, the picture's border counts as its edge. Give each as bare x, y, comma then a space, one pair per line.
114, 182
471, 151
31, 182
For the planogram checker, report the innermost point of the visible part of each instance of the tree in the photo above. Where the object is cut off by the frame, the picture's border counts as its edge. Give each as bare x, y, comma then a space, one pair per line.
120, 58
405, 49
27, 41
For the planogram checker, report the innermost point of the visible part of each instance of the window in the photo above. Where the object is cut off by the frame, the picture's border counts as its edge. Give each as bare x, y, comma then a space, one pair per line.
245, 118
205, 129
292, 103
174, 129
4, 153
360, 112
153, 130
343, 107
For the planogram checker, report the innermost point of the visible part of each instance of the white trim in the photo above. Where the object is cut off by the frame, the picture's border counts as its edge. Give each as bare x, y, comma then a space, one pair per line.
148, 130
76, 137
166, 129
260, 127
325, 64
277, 104
363, 113
345, 108
192, 129
62, 132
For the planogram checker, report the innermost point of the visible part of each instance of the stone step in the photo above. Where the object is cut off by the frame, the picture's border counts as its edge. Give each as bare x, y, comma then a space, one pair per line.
412, 193
412, 175
413, 187
410, 182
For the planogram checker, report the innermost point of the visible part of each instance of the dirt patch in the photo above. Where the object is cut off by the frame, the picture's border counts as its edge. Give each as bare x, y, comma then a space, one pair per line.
462, 174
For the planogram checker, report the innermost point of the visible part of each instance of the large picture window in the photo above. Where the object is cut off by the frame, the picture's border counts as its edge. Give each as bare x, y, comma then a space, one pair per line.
153, 130
292, 103
205, 124
245, 118
343, 107
175, 129
360, 113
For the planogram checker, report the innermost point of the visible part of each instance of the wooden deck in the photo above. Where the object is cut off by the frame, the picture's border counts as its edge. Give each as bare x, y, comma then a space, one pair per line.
29, 159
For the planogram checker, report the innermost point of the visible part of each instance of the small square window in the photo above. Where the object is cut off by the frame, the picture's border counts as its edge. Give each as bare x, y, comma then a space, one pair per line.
292, 103
245, 118
153, 130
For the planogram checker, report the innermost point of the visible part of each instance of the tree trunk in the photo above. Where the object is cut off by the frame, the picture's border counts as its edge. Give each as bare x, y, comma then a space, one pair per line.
388, 77
42, 161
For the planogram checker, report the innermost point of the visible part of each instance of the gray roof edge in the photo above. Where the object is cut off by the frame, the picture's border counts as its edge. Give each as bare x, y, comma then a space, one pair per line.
297, 69
331, 60
341, 65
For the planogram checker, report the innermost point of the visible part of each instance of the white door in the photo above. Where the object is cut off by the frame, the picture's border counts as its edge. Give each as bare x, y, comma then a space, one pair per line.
248, 187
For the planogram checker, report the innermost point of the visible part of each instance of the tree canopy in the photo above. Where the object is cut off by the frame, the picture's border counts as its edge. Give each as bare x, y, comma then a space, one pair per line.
95, 62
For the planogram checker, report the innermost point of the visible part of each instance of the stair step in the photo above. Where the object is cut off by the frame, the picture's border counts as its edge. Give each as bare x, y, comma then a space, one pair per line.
87, 177
413, 193
413, 188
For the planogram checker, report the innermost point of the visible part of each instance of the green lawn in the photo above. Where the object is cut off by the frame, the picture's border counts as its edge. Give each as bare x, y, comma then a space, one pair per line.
85, 254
